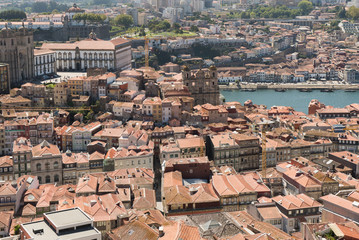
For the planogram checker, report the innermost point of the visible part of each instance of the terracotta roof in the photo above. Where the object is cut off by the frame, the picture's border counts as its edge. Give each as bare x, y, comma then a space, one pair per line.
7, 189
134, 230
296, 201
87, 44
172, 179
269, 212
144, 199
6, 161
45, 148
339, 202
190, 142
179, 230
87, 184
106, 184
5, 219
245, 219
28, 210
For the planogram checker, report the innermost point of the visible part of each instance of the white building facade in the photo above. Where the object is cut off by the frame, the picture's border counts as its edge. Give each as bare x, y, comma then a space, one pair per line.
45, 62
112, 55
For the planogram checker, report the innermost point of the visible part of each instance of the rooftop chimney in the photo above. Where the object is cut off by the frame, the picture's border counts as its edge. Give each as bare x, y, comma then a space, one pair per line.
160, 230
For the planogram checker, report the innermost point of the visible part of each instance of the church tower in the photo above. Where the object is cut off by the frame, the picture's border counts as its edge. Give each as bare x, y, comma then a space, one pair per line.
202, 84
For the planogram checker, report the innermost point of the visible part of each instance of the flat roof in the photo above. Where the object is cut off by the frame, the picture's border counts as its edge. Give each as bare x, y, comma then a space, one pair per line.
68, 218
48, 233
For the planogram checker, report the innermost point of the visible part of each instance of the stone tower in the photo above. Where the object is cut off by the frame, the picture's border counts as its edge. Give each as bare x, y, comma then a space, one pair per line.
17, 50
203, 85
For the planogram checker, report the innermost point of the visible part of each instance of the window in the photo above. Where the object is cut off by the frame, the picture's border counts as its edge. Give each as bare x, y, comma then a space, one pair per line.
56, 165
56, 178
38, 167
47, 179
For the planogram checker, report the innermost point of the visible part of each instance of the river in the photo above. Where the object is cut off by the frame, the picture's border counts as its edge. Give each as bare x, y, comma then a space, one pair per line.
293, 98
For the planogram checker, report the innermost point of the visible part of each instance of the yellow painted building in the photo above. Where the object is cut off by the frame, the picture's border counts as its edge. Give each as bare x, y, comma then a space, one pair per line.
153, 106
76, 85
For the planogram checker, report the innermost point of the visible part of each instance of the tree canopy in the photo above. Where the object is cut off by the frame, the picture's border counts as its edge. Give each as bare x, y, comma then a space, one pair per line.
12, 14
156, 25
101, 2
40, 7
270, 12
353, 13
194, 28
123, 20
93, 17
305, 6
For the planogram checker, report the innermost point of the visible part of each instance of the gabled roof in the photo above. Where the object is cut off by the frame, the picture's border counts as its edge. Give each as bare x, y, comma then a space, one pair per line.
7, 189
45, 148
135, 230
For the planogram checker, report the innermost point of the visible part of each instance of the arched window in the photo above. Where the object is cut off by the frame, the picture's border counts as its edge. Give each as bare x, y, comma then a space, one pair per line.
95, 56
38, 167
105, 55
47, 166
100, 56
56, 165
47, 179
85, 56
56, 178
70, 56
40, 179
111, 58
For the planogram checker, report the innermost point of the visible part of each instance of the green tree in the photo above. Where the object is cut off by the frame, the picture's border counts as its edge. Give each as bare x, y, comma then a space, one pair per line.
90, 17
194, 28
123, 20
89, 115
353, 13
176, 26
101, 2
305, 6
342, 13
157, 25
12, 14
17, 229
39, 7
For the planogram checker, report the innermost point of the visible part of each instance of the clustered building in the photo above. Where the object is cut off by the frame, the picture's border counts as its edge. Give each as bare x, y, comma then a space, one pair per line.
140, 153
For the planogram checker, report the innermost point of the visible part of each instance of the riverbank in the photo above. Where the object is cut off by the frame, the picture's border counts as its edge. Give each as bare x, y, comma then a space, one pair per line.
292, 97
298, 86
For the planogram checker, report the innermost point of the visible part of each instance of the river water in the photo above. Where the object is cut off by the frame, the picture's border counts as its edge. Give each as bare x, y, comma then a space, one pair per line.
293, 98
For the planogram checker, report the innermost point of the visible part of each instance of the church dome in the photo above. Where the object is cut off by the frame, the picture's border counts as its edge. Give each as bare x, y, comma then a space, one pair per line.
6, 29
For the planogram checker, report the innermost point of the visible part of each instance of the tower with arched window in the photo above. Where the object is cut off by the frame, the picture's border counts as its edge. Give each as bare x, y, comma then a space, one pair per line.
202, 84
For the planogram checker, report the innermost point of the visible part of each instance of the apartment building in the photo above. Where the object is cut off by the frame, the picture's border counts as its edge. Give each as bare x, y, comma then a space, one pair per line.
236, 150
46, 163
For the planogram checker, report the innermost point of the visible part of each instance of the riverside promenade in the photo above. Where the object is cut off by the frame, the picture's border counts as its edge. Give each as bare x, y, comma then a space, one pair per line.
306, 85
